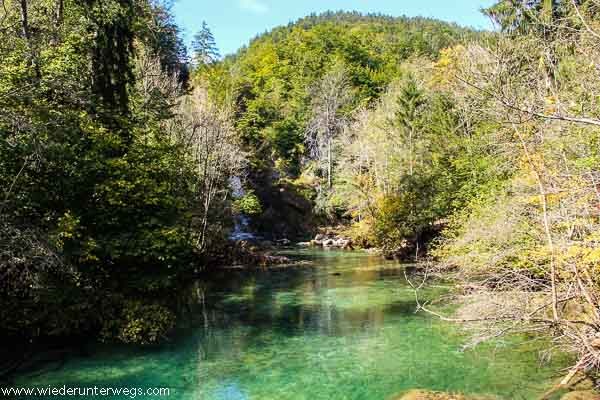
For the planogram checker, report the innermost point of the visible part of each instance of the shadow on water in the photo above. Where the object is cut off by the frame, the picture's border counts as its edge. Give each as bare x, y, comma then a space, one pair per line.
345, 328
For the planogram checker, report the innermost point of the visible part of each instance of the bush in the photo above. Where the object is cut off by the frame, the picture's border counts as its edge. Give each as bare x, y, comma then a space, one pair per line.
249, 204
390, 227
361, 233
140, 323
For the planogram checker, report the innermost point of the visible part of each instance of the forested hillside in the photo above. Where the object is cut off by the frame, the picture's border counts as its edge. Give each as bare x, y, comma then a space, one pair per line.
285, 80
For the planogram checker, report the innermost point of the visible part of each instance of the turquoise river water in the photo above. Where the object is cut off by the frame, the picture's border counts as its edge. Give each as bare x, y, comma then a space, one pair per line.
343, 328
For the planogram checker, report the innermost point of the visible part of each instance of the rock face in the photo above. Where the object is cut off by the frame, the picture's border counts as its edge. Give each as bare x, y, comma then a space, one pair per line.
287, 212
331, 240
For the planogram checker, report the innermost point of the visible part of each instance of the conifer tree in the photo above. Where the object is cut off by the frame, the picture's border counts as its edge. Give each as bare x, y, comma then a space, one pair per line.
204, 47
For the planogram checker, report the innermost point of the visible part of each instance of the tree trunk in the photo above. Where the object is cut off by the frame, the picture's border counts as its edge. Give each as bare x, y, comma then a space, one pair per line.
25, 20
410, 152
329, 163
543, 193
60, 11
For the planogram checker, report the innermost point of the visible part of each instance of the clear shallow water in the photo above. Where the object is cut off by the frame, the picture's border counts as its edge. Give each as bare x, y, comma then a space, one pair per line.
342, 329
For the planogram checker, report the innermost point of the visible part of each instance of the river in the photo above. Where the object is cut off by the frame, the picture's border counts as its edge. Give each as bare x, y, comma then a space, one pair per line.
343, 328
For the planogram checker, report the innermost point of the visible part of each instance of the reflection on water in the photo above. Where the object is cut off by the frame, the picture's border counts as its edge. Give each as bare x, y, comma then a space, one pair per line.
345, 329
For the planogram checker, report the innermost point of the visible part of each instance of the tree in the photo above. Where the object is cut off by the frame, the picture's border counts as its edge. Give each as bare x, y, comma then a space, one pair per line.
162, 35
533, 90
113, 23
206, 134
330, 97
406, 116
270, 80
204, 47
91, 183
518, 17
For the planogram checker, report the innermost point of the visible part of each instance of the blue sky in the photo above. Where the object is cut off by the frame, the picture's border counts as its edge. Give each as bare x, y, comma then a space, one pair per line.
235, 22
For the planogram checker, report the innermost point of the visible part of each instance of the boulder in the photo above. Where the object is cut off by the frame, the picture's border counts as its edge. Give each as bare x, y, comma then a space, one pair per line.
340, 242
330, 239
328, 243
320, 237
343, 243
304, 244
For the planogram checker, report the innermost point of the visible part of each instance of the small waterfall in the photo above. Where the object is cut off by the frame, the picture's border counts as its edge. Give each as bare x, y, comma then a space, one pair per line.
241, 228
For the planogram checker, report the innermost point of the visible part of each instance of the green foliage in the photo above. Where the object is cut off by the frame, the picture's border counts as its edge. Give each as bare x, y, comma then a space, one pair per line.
410, 99
248, 204
409, 166
269, 81
140, 323
523, 17
96, 197
389, 228
204, 47
112, 49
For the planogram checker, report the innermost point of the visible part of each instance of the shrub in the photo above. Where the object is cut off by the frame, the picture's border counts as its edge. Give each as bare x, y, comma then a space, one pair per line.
249, 204
140, 323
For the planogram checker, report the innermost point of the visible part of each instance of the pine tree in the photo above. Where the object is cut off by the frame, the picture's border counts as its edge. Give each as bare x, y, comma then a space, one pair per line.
204, 47
409, 101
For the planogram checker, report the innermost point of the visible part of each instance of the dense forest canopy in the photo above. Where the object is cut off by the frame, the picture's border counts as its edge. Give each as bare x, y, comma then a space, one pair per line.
268, 82
108, 193
125, 163
343, 60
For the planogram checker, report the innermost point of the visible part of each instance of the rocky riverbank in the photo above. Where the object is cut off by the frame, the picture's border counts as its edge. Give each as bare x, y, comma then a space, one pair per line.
330, 238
